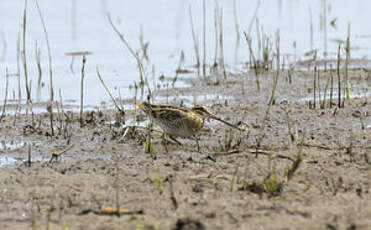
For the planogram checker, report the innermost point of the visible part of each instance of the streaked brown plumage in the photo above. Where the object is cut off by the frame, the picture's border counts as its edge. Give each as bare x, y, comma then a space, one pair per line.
180, 121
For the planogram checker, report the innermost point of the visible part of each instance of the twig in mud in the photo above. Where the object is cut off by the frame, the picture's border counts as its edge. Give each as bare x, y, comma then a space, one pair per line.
82, 91
116, 182
323, 106
234, 178
195, 41
332, 85
135, 102
29, 156
62, 111
173, 199
121, 110
314, 86
338, 73
6, 94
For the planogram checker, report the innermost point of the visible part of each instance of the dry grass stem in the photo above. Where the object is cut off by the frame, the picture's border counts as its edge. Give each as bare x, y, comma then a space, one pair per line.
24, 56
195, 40
82, 91
236, 26
109, 93
221, 42
132, 52
204, 37
6, 95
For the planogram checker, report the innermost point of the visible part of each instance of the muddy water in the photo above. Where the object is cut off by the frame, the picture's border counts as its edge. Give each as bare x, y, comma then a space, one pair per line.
82, 26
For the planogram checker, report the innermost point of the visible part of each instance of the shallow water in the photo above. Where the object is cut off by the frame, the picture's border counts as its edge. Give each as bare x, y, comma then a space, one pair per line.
83, 26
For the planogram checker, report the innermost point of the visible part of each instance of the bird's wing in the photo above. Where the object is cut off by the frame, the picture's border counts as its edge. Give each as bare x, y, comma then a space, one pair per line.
171, 115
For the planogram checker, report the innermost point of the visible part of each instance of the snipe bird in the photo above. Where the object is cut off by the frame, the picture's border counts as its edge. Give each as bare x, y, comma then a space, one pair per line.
180, 121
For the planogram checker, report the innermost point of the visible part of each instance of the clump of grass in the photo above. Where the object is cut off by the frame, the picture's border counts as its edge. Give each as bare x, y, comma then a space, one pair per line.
271, 184
158, 182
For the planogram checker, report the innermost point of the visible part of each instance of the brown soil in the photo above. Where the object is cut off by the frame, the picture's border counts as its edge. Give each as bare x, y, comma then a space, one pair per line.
232, 184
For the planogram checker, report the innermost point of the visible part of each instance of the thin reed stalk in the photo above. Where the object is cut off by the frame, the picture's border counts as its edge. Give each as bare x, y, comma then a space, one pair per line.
216, 16
332, 85
274, 86
204, 37
277, 73
24, 58
5, 45
132, 52
62, 111
50, 65
253, 18
82, 91
236, 26
6, 94
338, 73
314, 86
221, 42
310, 28
109, 93
18, 78
252, 56
323, 106
324, 7
195, 41
347, 59
39, 71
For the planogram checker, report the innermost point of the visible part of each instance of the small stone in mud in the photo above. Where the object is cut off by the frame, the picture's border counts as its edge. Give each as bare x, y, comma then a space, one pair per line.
198, 188
188, 224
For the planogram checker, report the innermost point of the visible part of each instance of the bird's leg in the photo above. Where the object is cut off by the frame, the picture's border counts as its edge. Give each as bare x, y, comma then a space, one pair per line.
198, 144
175, 140
165, 142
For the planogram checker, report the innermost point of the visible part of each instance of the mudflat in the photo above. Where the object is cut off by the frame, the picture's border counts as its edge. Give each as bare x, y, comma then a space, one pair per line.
293, 167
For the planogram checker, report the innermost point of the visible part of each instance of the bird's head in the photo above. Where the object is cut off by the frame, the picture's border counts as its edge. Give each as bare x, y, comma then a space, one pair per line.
205, 112
145, 107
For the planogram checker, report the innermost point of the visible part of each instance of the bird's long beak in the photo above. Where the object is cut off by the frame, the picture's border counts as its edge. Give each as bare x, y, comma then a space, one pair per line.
225, 122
